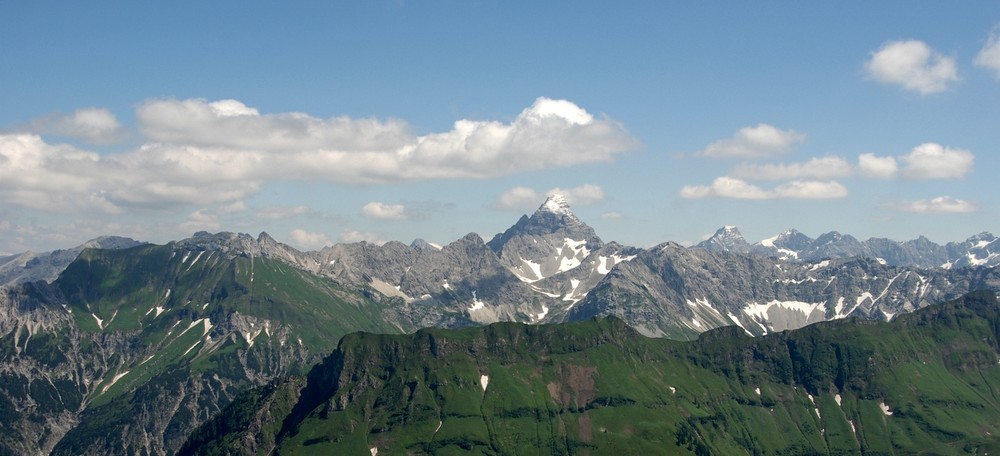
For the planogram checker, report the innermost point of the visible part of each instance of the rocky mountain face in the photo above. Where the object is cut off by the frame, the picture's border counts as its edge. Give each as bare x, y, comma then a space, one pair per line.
923, 383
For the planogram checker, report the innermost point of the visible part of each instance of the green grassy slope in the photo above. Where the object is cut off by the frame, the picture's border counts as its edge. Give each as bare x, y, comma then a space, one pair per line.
927, 383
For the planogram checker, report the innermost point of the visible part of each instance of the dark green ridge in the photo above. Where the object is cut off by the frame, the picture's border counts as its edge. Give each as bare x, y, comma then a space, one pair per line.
597, 387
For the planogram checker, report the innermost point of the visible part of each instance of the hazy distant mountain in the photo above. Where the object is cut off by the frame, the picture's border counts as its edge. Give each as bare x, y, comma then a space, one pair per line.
979, 250
30, 266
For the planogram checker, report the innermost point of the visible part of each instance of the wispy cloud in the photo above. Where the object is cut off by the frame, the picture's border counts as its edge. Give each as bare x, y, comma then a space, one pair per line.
760, 141
823, 168
731, 187
913, 65
989, 55
526, 198
939, 205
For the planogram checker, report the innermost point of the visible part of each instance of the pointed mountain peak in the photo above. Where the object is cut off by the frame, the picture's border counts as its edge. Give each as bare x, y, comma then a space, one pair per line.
556, 204
727, 238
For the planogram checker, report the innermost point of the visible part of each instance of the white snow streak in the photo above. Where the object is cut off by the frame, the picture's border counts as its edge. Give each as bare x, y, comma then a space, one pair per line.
484, 380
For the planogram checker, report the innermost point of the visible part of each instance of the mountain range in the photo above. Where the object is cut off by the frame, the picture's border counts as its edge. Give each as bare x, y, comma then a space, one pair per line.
124, 347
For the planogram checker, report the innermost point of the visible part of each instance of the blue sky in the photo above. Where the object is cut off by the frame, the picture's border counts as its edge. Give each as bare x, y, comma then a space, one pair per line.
323, 122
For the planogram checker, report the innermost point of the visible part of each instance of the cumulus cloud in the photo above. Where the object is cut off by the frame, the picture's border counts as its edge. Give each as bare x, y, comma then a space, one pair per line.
817, 168
730, 187
525, 198
51, 178
382, 211
913, 65
549, 133
759, 141
305, 240
877, 167
939, 205
91, 125
219, 152
989, 55
934, 161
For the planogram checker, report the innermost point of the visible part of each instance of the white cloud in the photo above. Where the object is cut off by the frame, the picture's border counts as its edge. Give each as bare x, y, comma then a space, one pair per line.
50, 178
526, 198
816, 168
989, 56
613, 215
939, 205
730, 187
913, 65
350, 235
759, 141
208, 153
933, 161
306, 240
92, 125
549, 133
382, 211
876, 167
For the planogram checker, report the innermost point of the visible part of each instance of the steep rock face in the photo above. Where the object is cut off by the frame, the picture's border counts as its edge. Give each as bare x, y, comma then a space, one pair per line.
677, 292
843, 387
551, 241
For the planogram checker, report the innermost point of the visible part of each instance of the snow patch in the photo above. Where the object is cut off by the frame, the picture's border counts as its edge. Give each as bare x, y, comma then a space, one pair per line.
757, 390
838, 399
373, 451
545, 311
695, 322
535, 268
672, 390
821, 264
484, 380
737, 321
113, 381
445, 285
476, 303
571, 296
885, 409
100, 322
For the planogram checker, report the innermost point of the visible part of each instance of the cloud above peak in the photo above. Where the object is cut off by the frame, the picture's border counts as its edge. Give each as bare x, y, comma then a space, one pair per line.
913, 65
759, 141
